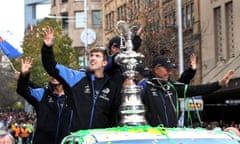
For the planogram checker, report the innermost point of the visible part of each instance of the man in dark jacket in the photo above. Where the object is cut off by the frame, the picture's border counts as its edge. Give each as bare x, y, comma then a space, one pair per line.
96, 98
51, 105
161, 94
113, 69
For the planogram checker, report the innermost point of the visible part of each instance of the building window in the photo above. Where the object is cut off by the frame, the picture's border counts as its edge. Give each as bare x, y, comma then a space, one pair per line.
170, 19
218, 34
80, 19
183, 18
64, 1
173, 18
137, 3
54, 2
133, 9
97, 18
110, 21
122, 12
148, 3
230, 30
192, 15
34, 12
188, 16
65, 20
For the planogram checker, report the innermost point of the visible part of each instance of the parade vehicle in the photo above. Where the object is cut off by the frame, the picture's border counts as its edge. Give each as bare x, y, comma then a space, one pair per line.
150, 135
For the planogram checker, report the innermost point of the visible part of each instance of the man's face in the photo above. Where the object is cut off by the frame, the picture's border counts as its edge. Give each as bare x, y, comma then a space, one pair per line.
96, 61
114, 50
162, 72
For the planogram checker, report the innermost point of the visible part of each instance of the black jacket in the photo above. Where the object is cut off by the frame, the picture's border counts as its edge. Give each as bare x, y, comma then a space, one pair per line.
53, 122
90, 110
187, 76
115, 71
161, 101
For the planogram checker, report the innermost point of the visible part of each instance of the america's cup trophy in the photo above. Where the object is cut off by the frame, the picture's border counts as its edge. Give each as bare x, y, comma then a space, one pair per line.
132, 109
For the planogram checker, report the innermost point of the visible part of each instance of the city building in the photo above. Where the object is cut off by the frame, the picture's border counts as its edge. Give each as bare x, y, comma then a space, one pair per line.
159, 18
220, 52
219, 38
82, 20
35, 10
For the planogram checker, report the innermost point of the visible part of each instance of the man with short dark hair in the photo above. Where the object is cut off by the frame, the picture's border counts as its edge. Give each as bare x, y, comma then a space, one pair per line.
95, 96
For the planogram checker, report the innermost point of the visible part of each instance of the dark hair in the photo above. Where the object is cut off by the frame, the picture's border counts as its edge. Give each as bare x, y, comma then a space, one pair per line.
115, 41
103, 50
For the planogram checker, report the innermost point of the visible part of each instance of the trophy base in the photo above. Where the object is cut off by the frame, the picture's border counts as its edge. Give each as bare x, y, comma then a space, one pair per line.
133, 120
132, 109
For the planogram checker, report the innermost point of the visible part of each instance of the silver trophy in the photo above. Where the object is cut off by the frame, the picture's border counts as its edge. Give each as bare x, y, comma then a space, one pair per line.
132, 109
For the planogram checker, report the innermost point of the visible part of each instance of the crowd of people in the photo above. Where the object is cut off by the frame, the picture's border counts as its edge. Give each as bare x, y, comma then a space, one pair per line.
76, 100
18, 124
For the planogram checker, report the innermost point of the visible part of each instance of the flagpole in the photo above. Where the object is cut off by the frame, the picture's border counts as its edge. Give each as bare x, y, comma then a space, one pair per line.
9, 51
180, 54
180, 39
11, 65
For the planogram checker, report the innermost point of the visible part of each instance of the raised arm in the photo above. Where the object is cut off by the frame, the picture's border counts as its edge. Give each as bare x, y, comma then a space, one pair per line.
23, 85
48, 59
62, 73
189, 73
211, 87
227, 77
26, 65
48, 36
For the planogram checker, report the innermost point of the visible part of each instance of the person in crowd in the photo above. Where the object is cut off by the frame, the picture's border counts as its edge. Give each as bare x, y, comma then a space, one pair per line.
95, 96
16, 132
215, 126
232, 130
161, 94
53, 108
24, 134
30, 128
6, 138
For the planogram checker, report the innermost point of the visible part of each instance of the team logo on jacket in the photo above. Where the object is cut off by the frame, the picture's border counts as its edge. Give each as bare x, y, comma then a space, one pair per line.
50, 99
104, 94
87, 89
154, 91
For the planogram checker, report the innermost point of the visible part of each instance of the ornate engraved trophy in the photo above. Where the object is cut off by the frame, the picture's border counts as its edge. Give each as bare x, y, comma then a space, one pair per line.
132, 109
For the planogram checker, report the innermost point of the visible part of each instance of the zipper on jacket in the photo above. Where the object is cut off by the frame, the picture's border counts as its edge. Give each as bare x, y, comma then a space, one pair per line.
95, 97
70, 121
59, 117
165, 108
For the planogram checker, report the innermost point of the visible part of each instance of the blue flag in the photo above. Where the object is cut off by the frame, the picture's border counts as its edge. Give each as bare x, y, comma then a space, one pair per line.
9, 50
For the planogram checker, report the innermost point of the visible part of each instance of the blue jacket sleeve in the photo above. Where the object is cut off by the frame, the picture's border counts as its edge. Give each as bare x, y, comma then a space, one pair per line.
63, 74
